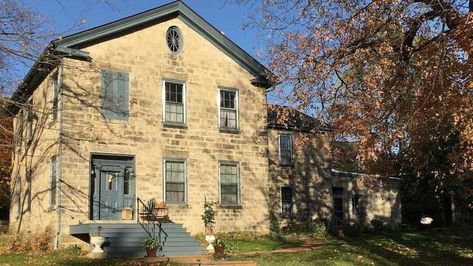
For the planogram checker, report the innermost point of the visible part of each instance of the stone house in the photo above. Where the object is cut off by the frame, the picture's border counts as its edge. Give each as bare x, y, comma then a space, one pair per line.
159, 105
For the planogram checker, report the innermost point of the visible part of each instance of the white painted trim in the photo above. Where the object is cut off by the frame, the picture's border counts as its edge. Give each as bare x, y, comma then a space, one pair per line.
186, 192
280, 198
238, 182
184, 98
237, 105
292, 146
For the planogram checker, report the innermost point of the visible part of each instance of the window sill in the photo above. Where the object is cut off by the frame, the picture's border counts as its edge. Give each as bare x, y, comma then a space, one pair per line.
286, 164
233, 207
176, 204
174, 125
287, 217
229, 130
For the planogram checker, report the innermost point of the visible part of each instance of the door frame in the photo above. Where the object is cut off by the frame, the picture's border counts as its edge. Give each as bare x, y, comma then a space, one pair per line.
127, 160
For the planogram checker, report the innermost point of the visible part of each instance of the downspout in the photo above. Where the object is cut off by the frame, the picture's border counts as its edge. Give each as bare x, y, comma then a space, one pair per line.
59, 156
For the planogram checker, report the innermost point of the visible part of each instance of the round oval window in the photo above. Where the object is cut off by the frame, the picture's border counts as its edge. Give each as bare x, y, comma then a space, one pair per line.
174, 39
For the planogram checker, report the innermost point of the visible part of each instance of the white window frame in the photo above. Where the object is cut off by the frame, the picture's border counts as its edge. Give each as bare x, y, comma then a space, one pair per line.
54, 96
292, 147
237, 107
237, 164
51, 196
186, 188
184, 99
280, 197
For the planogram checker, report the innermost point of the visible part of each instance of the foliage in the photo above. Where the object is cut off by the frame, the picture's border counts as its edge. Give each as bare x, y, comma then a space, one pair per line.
219, 242
209, 216
316, 228
22, 34
151, 243
6, 126
37, 243
393, 75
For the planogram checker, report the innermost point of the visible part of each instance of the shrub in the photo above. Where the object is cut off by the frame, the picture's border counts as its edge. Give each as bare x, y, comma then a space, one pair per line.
151, 243
209, 216
41, 242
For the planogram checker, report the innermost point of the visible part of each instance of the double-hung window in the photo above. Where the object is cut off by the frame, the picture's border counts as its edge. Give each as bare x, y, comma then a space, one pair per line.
114, 95
285, 149
174, 102
229, 184
228, 109
175, 181
54, 97
287, 201
30, 117
53, 183
29, 176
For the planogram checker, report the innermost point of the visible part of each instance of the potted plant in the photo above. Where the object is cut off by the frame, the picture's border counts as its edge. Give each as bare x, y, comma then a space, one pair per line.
151, 245
219, 246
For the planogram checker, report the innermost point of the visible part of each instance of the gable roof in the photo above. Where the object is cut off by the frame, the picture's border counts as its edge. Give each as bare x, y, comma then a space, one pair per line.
287, 118
70, 45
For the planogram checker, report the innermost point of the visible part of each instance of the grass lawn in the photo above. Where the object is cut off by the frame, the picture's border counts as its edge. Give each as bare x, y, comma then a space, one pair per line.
433, 247
444, 247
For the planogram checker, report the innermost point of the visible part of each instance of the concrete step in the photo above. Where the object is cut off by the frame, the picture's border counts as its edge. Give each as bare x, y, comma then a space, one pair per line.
126, 240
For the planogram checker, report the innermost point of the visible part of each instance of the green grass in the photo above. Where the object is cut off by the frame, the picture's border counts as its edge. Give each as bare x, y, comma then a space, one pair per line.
446, 247
433, 247
264, 244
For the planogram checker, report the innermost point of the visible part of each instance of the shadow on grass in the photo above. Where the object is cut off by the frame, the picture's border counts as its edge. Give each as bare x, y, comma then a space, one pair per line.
431, 247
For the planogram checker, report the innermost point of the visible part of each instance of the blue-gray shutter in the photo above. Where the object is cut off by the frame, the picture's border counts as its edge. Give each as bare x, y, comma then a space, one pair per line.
115, 95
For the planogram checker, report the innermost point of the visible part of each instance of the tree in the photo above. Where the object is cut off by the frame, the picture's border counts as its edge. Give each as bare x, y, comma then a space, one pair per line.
22, 37
6, 126
394, 75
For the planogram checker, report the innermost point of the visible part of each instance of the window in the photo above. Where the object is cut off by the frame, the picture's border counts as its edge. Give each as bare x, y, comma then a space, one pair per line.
174, 39
18, 138
285, 149
229, 184
175, 181
29, 175
287, 201
30, 118
53, 183
228, 109
174, 102
114, 95
54, 97
338, 198
18, 196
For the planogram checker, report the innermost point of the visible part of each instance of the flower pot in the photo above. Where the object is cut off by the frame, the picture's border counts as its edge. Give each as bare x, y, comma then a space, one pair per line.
219, 250
151, 252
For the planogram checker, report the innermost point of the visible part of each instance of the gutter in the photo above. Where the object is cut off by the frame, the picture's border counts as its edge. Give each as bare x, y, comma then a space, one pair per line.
59, 156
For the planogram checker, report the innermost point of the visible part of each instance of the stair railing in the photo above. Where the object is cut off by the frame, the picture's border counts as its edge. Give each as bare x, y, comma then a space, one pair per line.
337, 222
149, 221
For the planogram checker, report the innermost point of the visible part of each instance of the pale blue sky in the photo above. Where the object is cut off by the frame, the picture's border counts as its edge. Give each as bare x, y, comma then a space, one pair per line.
65, 14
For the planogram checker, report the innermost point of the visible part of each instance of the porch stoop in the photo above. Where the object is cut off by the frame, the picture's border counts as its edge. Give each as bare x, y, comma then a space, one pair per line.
126, 239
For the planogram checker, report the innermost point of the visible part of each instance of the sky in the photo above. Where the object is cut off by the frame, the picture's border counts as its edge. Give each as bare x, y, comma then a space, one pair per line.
65, 15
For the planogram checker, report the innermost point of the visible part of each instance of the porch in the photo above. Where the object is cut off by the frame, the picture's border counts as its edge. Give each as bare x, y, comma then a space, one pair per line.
126, 239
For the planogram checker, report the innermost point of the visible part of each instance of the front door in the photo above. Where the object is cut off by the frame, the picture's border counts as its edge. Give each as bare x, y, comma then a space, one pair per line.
112, 187
110, 195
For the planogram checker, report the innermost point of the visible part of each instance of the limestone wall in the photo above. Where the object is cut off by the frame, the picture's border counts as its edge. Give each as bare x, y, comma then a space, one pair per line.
309, 175
145, 57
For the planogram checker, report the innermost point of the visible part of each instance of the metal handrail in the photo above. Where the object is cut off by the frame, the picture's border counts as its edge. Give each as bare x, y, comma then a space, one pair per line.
151, 219
336, 222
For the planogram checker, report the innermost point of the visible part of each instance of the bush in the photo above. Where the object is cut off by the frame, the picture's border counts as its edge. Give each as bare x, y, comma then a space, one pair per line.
382, 225
40, 242
316, 228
